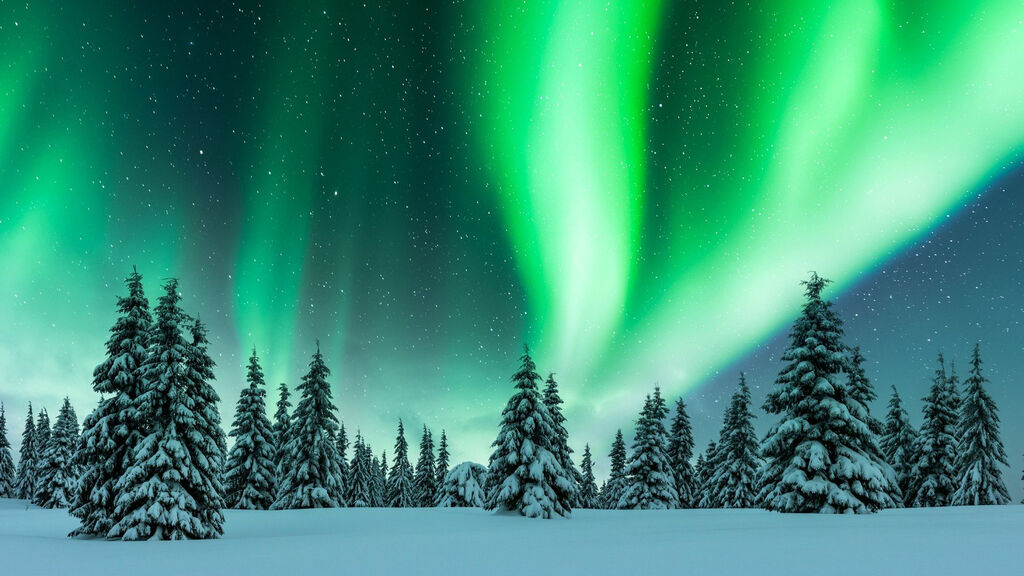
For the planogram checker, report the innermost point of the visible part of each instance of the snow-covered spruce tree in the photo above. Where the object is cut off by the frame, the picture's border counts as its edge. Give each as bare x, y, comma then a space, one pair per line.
441, 466
650, 482
8, 473
378, 475
424, 482
58, 473
463, 487
707, 463
41, 490
400, 491
860, 395
981, 451
282, 427
587, 490
208, 444
161, 495
932, 475
26, 482
527, 477
898, 441
250, 479
616, 483
680, 451
383, 478
360, 479
818, 458
733, 483
560, 447
313, 478
342, 443
113, 430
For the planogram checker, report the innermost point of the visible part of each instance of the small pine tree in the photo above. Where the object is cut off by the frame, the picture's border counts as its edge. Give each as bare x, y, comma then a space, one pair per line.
680, 452
26, 482
898, 440
560, 447
41, 490
819, 458
58, 473
588, 496
380, 474
282, 428
932, 475
981, 455
112, 432
424, 482
707, 463
342, 444
360, 485
441, 466
313, 477
527, 477
859, 397
8, 473
463, 487
400, 492
616, 484
251, 478
651, 483
733, 483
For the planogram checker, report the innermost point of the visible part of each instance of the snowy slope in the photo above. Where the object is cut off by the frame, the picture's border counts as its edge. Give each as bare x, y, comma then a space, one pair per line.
957, 541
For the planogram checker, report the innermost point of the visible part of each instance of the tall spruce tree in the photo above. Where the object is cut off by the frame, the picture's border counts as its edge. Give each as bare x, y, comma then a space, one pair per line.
527, 476
650, 481
26, 483
400, 491
282, 429
425, 480
113, 430
441, 466
360, 480
251, 477
733, 483
981, 455
588, 495
160, 495
680, 452
312, 477
933, 474
560, 448
58, 472
898, 441
41, 490
819, 457
616, 483
8, 473
207, 442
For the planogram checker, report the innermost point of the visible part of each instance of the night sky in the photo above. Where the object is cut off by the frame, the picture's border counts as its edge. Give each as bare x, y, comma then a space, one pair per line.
635, 189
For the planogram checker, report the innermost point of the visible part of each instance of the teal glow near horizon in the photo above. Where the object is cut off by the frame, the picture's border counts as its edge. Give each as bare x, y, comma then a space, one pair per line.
634, 188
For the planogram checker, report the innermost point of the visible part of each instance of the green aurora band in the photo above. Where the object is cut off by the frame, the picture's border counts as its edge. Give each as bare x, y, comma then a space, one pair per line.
659, 176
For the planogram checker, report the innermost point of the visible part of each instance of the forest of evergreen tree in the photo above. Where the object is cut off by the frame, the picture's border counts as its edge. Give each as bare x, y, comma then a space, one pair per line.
151, 460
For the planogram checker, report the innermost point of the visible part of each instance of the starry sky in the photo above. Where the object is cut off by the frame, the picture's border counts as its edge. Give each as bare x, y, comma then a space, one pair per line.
635, 188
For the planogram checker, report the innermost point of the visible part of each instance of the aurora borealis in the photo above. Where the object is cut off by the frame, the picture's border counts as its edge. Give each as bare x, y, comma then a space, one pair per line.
634, 188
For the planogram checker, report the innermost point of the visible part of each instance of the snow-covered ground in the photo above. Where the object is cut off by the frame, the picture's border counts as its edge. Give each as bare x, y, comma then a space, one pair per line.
960, 541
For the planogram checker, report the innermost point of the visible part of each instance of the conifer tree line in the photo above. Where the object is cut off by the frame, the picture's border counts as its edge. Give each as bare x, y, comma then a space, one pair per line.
152, 459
